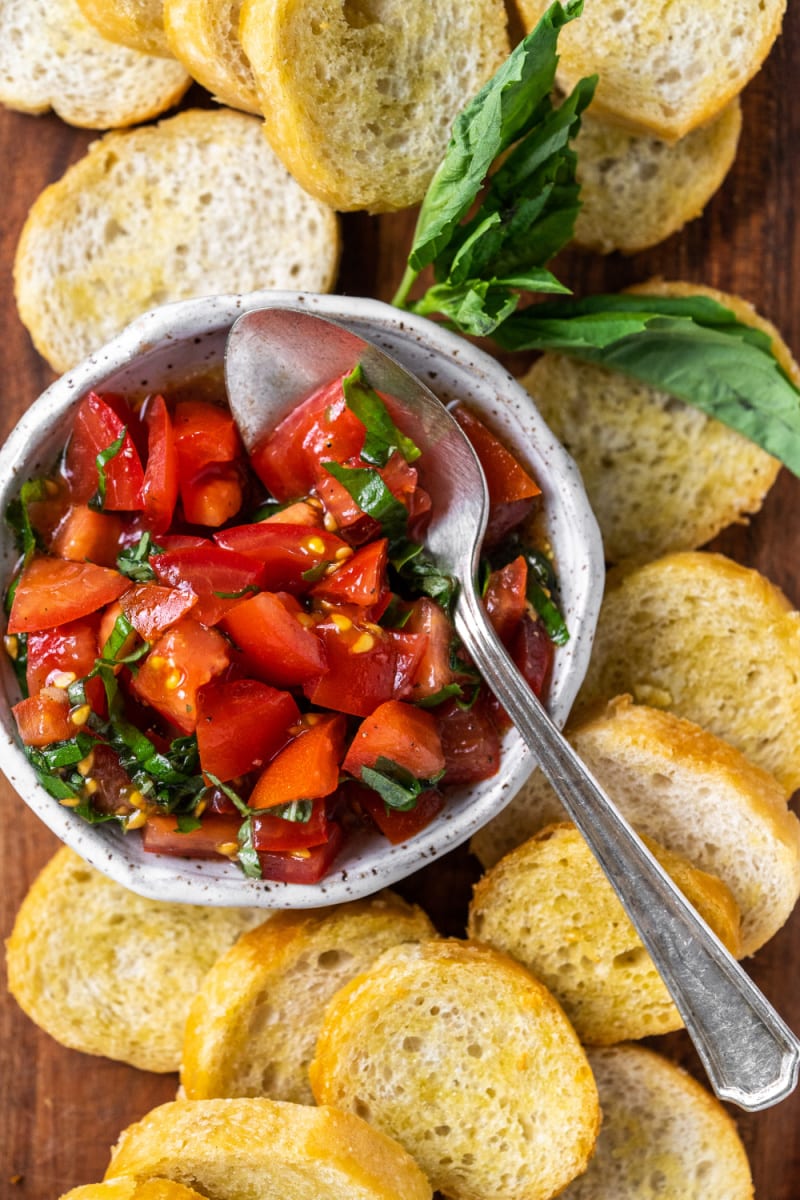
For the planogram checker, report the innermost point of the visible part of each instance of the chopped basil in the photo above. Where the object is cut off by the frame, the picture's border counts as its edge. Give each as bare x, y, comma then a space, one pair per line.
16, 646
365, 486
18, 518
414, 566
445, 693
396, 785
233, 796
542, 588
248, 855
132, 561
249, 590
314, 574
382, 435
187, 822
103, 459
298, 810
66, 754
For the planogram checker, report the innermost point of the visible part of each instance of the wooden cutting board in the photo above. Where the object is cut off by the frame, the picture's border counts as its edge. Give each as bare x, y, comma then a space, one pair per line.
61, 1110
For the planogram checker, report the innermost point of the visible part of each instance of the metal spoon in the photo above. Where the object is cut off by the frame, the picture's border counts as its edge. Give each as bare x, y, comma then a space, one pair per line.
275, 358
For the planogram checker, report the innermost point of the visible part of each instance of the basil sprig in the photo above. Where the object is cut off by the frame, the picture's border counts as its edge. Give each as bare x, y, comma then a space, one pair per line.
382, 435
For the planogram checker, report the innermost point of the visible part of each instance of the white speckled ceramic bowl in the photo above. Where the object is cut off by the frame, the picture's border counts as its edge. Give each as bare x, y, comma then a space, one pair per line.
166, 346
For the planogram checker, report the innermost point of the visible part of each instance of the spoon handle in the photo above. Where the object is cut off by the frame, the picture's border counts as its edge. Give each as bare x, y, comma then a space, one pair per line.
751, 1056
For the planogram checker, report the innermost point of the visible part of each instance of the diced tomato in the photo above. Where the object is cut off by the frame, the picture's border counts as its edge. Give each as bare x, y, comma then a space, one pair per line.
285, 552
470, 742
306, 769
409, 651
47, 513
204, 434
400, 732
241, 724
434, 671
278, 834
320, 428
70, 648
108, 620
303, 866
354, 524
53, 591
181, 541
361, 667
218, 577
360, 579
533, 652
302, 512
112, 784
160, 485
211, 497
505, 599
511, 489
161, 835
151, 609
397, 825
88, 536
181, 661
44, 718
279, 648
97, 426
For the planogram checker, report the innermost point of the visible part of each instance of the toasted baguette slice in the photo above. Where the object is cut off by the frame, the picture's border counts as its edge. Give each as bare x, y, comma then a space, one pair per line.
637, 190
141, 219
52, 57
268, 1150
664, 69
82, 947
711, 641
460, 1054
683, 477
692, 792
204, 35
129, 1189
253, 1025
138, 24
549, 905
663, 1135
359, 98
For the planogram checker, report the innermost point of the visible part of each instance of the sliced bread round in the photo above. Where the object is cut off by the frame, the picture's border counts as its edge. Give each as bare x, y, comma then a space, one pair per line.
664, 1137
637, 190
359, 97
267, 1150
660, 474
82, 946
195, 205
253, 1025
460, 1054
204, 36
712, 641
664, 68
692, 792
549, 905
129, 1189
138, 24
51, 56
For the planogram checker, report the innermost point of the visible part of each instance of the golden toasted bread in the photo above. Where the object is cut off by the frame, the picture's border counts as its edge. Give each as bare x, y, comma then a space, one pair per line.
204, 36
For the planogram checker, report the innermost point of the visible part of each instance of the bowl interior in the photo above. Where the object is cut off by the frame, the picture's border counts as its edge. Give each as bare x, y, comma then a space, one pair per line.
172, 345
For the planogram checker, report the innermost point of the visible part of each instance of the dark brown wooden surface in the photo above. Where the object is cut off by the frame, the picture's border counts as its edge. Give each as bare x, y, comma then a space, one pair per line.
61, 1110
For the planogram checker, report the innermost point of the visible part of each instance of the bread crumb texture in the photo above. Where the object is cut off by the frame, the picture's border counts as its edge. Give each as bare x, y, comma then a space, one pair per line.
549, 905
51, 56
204, 35
664, 1137
359, 96
637, 190
694, 793
129, 1189
468, 1061
257, 1149
253, 1025
138, 24
665, 66
193, 206
711, 641
108, 972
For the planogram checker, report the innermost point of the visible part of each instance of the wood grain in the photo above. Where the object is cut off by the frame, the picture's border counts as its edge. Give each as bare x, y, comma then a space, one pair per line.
61, 1111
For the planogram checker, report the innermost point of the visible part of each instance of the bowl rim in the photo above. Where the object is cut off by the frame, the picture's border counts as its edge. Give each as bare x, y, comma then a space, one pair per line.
149, 337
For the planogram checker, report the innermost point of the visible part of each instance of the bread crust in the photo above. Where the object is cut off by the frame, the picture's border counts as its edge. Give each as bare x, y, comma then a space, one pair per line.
459, 1053
129, 1189
138, 221
253, 1025
204, 36
82, 945
138, 24
268, 1150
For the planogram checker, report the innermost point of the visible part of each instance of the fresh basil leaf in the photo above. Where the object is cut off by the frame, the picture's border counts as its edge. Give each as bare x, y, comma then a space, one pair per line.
445, 693
370, 493
103, 459
502, 112
19, 520
187, 822
66, 754
542, 588
382, 435
720, 368
298, 811
421, 573
132, 561
248, 855
396, 785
